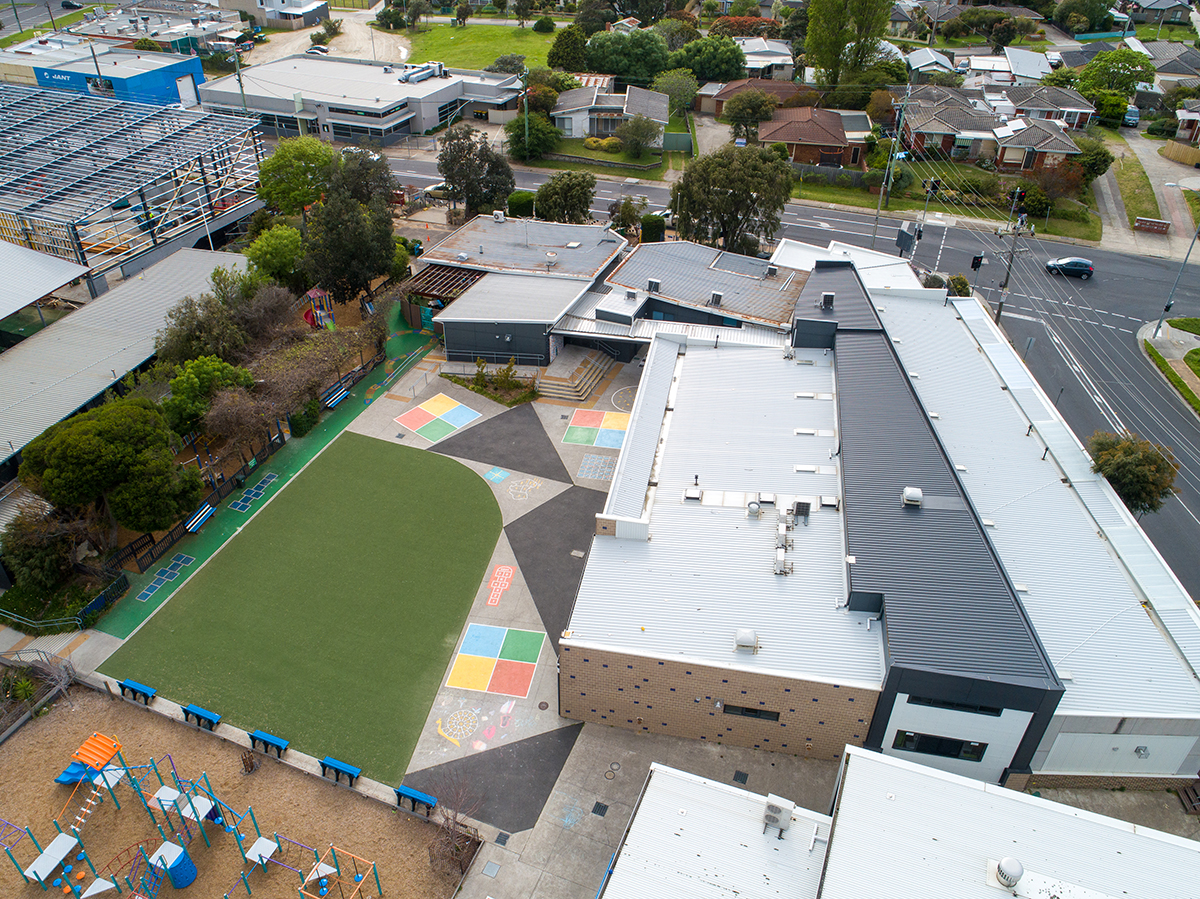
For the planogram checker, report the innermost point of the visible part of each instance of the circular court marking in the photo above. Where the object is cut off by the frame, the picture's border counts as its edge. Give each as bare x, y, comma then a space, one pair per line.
608, 775
461, 724
543, 706
623, 399
615, 766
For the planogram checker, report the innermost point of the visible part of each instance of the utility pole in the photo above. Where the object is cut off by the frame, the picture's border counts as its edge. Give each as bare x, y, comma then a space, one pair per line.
237, 68
1012, 252
53, 24
15, 16
885, 188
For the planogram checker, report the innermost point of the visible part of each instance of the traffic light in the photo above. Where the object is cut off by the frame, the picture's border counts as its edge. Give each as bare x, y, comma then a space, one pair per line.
977, 262
920, 229
1020, 196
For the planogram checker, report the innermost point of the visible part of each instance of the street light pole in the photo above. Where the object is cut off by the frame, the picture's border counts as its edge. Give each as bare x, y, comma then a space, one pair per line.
1183, 265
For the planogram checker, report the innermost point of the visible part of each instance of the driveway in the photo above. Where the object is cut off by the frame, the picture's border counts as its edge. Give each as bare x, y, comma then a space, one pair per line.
711, 135
1171, 203
355, 41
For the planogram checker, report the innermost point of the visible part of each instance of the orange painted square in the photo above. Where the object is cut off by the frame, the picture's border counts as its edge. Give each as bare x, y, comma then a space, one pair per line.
587, 418
511, 678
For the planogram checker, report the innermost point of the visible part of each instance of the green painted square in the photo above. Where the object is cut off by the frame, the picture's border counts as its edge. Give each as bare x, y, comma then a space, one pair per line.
522, 646
582, 436
436, 430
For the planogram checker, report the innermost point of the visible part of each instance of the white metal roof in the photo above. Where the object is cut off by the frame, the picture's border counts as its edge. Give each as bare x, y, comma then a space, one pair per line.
1111, 656
39, 275
693, 838
48, 376
513, 298
708, 569
902, 828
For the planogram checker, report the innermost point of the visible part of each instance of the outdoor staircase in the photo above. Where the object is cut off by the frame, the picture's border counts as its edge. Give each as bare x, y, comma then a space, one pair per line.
89, 805
574, 383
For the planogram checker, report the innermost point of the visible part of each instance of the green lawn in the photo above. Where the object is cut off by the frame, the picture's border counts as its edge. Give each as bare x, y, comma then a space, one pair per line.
60, 20
677, 124
1191, 325
330, 618
1135, 189
1193, 201
477, 46
1181, 32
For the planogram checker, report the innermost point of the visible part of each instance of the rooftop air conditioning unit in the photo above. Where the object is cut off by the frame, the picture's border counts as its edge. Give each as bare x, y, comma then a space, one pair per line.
782, 565
911, 496
778, 813
498, 216
693, 494
653, 285
827, 299
387, 70
461, 257
717, 296
631, 295
772, 271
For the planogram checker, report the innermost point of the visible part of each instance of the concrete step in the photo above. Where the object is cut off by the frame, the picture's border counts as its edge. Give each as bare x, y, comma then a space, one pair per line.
578, 387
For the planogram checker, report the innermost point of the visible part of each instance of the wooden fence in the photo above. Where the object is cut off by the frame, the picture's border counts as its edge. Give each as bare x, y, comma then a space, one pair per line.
1182, 153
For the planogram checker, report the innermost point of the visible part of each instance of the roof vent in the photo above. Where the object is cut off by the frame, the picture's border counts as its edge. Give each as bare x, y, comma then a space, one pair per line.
717, 296
498, 216
653, 285
693, 494
631, 296
772, 271
753, 509
778, 813
827, 299
746, 639
1009, 871
911, 496
573, 245
461, 257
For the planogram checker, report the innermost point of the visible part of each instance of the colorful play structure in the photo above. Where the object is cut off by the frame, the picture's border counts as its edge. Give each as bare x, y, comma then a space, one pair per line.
319, 313
185, 807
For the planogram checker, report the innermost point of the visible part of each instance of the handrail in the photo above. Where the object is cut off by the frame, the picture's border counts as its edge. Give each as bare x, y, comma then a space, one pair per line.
53, 622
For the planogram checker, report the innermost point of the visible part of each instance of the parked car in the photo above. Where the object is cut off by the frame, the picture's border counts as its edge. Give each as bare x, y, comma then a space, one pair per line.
1075, 266
246, 46
71, 4
318, 50
1054, 58
1132, 117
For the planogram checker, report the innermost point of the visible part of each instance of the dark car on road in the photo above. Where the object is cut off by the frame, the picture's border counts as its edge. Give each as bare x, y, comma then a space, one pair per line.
1071, 265
71, 4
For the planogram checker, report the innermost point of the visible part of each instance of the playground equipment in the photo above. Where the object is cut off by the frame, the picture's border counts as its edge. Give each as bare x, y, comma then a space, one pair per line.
319, 313
337, 874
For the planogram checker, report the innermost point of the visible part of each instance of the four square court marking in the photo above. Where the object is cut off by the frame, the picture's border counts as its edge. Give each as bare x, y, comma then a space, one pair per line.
496, 660
592, 427
437, 417
178, 562
246, 500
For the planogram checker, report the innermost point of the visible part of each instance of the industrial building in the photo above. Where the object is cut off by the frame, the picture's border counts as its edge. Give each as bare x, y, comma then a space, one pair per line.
202, 31
103, 69
110, 184
354, 100
894, 826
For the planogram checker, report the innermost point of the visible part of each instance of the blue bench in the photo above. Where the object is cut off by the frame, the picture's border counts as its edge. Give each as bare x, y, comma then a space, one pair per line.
269, 741
204, 718
195, 522
138, 691
415, 796
339, 768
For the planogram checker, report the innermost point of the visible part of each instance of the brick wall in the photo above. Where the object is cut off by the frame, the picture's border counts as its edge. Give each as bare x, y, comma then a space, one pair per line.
667, 697
1084, 782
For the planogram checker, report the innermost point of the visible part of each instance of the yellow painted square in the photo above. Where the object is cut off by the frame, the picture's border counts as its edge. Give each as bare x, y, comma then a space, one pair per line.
471, 672
441, 404
616, 421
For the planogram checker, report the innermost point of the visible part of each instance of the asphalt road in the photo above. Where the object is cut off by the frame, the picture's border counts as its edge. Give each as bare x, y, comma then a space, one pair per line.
32, 15
1084, 352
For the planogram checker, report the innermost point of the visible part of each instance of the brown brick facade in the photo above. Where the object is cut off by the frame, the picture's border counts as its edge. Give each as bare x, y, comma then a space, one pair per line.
667, 697
1083, 782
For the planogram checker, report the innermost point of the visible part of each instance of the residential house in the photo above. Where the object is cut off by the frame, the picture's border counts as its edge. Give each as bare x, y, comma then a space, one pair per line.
942, 120
815, 136
1174, 61
1160, 12
943, 12
905, 21
782, 91
588, 112
625, 26
1025, 66
767, 58
924, 62
1033, 144
1189, 122
1085, 53
1042, 102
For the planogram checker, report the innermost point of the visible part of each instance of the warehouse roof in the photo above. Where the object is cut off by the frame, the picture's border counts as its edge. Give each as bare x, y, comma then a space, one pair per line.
694, 838
525, 246
513, 298
40, 275
50, 375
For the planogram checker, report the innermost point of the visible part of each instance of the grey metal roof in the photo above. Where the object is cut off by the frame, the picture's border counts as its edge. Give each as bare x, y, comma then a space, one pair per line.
526, 246
47, 377
513, 298
576, 98
901, 823
40, 275
693, 838
852, 308
689, 273
949, 606
65, 155
651, 104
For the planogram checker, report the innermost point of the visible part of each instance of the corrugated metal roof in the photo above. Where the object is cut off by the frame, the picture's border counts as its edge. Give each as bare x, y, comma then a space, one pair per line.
948, 604
525, 245
693, 838
48, 376
689, 273
1081, 603
513, 298
905, 828
852, 308
708, 569
40, 275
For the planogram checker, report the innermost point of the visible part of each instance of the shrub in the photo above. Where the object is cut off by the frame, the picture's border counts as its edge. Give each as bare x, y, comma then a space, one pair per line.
873, 178
982, 187
488, 10
1163, 128
319, 37
593, 143
544, 25
654, 228
1036, 202
480, 379
845, 181
960, 286
611, 145
520, 203
902, 178
933, 281
306, 419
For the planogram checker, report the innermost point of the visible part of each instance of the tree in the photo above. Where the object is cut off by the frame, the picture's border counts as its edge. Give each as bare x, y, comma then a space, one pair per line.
239, 417
540, 99
461, 13
1024, 26
795, 29
567, 197
680, 86
198, 327
1062, 77
711, 59
544, 25
278, 253
400, 268
1003, 33
349, 245
1115, 70
636, 58
592, 16
39, 547
1095, 15
556, 81
881, 105
521, 10
625, 214
1142, 473
744, 26
474, 172
830, 32
148, 44
543, 137
1094, 158
1059, 181
194, 384
733, 193
116, 458
390, 17
417, 9
710, 8
508, 64
363, 173
869, 20
569, 50
639, 133
520, 203
1110, 106
741, 8
677, 33
296, 174
747, 109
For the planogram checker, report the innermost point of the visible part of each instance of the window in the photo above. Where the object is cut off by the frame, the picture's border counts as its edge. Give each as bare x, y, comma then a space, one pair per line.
956, 706
751, 713
854, 156
946, 747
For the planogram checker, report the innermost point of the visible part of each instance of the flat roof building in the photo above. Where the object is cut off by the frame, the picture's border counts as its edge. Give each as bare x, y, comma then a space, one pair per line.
204, 30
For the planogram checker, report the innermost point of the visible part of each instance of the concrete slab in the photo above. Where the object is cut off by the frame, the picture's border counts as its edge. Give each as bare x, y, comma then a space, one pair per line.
517, 492
1160, 809
512, 440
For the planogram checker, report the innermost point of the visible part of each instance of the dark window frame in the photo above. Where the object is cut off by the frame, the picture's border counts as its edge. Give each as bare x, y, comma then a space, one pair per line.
990, 711
943, 747
750, 712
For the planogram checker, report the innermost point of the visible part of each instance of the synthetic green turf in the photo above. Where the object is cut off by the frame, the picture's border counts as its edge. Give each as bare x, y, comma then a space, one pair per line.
330, 619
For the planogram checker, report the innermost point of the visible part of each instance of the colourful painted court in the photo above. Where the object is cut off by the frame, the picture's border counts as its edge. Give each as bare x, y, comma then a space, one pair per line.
496, 660
437, 417
591, 427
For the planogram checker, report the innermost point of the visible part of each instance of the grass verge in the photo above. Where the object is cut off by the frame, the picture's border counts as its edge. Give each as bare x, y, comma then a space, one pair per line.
1192, 359
1191, 325
61, 21
574, 146
477, 46
1136, 190
600, 171
1173, 376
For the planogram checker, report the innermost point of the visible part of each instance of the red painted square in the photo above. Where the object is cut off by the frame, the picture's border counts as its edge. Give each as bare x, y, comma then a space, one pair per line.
587, 418
511, 678
415, 418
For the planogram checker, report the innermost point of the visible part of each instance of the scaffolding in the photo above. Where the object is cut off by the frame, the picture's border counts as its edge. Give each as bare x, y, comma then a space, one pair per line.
100, 181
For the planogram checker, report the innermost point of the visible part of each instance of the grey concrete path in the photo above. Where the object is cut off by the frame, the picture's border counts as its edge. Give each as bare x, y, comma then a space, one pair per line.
1117, 233
1172, 205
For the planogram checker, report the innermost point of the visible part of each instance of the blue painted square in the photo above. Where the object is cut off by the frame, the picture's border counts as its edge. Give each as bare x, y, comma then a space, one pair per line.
269, 478
496, 475
174, 566
482, 640
239, 506
610, 438
153, 588
186, 560
162, 572
157, 582
171, 575
143, 596
459, 416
